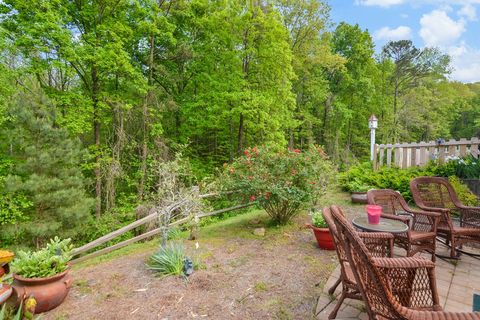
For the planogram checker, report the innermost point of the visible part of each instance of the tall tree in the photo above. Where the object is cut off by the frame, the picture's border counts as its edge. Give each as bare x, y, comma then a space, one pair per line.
89, 40
411, 66
47, 171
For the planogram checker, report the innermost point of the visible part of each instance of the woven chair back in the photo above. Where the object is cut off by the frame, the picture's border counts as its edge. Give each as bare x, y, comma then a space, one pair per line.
373, 285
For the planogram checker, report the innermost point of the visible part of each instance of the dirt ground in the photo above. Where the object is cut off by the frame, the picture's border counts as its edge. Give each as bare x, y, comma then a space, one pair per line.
241, 276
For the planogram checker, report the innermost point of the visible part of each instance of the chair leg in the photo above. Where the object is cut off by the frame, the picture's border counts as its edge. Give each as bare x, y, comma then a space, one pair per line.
331, 291
334, 312
452, 248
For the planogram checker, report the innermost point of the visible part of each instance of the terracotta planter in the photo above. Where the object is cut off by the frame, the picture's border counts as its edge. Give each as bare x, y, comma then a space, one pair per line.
359, 197
323, 236
49, 292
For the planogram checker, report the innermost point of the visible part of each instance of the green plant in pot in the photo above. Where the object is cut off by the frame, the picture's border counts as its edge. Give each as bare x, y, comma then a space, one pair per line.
321, 231
43, 274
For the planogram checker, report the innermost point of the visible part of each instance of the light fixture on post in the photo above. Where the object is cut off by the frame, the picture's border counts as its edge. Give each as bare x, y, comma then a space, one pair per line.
372, 124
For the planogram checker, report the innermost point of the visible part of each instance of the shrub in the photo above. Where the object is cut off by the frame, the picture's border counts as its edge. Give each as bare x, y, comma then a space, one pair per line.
466, 168
399, 179
168, 260
281, 182
49, 261
463, 193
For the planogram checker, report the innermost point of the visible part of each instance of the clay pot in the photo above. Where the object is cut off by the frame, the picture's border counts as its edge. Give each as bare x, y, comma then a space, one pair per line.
359, 197
48, 292
5, 292
323, 236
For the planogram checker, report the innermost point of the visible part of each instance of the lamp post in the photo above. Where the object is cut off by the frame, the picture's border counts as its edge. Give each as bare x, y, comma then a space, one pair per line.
372, 124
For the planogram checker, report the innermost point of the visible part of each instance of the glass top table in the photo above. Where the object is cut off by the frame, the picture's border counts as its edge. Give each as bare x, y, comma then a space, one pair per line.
385, 225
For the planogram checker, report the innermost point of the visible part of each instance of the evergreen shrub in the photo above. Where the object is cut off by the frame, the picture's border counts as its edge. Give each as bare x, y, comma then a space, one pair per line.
399, 179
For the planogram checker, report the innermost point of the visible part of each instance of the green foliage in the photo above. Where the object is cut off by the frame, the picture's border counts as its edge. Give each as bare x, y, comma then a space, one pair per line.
399, 179
282, 182
463, 193
318, 220
130, 81
467, 168
45, 189
168, 260
51, 260
94, 228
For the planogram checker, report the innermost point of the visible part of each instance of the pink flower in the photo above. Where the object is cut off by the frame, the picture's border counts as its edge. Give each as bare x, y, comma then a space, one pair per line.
267, 195
297, 150
252, 198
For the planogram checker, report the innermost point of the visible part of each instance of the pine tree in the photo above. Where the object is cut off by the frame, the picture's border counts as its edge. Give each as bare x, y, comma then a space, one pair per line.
48, 171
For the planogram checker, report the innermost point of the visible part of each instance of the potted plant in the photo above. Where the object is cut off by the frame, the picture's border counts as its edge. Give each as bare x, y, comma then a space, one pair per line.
321, 231
43, 275
358, 192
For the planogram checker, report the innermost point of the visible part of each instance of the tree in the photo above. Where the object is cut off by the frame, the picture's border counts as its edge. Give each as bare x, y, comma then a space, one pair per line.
411, 66
307, 22
47, 171
80, 44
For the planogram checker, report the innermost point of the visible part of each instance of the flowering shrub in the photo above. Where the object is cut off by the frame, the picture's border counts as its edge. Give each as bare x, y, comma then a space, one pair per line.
281, 182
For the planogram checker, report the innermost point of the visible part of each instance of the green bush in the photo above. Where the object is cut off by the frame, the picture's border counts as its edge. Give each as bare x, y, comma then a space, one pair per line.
49, 261
466, 168
463, 193
281, 182
168, 260
399, 179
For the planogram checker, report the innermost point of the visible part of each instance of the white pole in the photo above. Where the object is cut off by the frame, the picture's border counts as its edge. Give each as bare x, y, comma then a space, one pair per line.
372, 143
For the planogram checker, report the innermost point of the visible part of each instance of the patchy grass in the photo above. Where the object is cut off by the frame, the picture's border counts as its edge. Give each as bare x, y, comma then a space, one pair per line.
260, 286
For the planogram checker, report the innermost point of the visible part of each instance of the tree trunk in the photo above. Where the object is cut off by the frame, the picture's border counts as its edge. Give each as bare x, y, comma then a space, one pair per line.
328, 105
240, 135
96, 133
231, 139
145, 116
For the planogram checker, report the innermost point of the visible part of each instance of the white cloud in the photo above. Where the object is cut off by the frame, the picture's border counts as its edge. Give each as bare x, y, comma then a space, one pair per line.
380, 3
438, 29
389, 3
465, 63
400, 33
469, 12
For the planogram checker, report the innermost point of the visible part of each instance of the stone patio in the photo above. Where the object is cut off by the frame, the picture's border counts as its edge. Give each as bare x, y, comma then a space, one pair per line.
457, 281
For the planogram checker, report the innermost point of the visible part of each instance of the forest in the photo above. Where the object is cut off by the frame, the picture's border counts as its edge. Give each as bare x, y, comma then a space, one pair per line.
96, 95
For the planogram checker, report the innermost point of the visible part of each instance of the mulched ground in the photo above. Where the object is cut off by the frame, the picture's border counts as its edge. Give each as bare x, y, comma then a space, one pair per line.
278, 276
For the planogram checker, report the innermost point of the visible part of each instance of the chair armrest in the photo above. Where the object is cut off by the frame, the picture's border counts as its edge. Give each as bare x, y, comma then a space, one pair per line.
433, 214
440, 210
403, 263
393, 217
375, 235
437, 314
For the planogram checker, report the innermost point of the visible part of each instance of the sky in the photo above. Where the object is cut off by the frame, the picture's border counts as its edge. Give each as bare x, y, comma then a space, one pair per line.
451, 25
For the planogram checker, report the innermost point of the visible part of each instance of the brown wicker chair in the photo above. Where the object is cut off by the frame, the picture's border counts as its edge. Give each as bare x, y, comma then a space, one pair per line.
437, 194
422, 230
393, 288
379, 245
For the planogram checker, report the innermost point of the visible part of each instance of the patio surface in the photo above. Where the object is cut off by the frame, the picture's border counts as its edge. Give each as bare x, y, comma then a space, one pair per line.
456, 283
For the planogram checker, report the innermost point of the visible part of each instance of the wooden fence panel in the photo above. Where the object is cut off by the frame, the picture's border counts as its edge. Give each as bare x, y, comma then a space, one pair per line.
389, 156
407, 155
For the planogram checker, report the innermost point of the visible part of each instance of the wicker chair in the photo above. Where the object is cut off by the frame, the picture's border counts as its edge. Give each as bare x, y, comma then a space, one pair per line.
379, 245
393, 288
437, 194
422, 232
